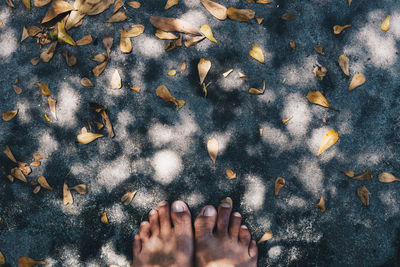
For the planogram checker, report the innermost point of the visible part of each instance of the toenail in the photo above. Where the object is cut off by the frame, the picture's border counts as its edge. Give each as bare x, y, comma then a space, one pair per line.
225, 205
162, 203
244, 227
237, 214
208, 211
178, 207
152, 212
143, 223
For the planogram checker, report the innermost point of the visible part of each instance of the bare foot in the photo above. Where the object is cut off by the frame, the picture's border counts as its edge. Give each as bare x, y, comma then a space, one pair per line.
221, 241
162, 243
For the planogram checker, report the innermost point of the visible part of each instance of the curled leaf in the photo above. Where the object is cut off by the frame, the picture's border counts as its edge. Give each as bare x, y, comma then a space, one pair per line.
67, 196
320, 73
85, 40
321, 204
80, 188
193, 40
17, 173
255, 91
86, 138
28, 262
11, 4
230, 174
57, 7
212, 148
363, 194
117, 5
215, 9
43, 183
288, 16
226, 73
33, 31
172, 72
257, 54
52, 106
227, 200
206, 30
364, 176
99, 68
127, 197
44, 88
287, 119
319, 49
358, 80
242, 75
173, 25
329, 139
99, 58
104, 218
36, 189
279, 184
9, 115
267, 236
165, 35
108, 42
349, 173
386, 24
316, 97
118, 17
241, 15
203, 67
386, 177
344, 64
70, 59
48, 54
86, 82
337, 29
9, 154
170, 3
24, 34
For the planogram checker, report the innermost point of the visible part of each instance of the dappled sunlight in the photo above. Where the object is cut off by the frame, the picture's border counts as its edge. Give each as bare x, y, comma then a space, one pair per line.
315, 140
8, 37
195, 17
167, 165
254, 195
193, 199
296, 106
274, 252
232, 82
300, 75
148, 198
68, 104
111, 174
390, 200
48, 144
395, 24
222, 138
110, 255
302, 230
292, 203
309, 173
116, 214
276, 138
370, 159
148, 46
23, 111
69, 256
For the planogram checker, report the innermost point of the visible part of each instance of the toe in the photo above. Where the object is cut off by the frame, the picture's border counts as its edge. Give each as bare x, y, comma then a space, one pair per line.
224, 213
234, 226
154, 222
181, 218
137, 245
244, 236
165, 218
253, 250
144, 232
205, 222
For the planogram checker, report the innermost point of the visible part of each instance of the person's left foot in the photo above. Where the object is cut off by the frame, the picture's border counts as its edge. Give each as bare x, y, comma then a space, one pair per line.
167, 240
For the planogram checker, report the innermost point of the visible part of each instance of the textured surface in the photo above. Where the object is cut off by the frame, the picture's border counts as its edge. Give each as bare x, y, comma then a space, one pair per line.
162, 152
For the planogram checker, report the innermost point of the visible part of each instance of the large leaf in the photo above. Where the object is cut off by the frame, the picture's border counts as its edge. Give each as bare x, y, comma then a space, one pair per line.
173, 25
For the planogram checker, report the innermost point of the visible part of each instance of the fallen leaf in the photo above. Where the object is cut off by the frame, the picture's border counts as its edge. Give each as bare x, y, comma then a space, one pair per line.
92, 7
136, 89
48, 54
163, 93
47, 117
17, 89
99, 125
17, 173
33, 30
57, 8
43, 183
358, 80
206, 30
11, 178
115, 81
134, 4
173, 25
287, 119
320, 73
337, 29
386, 24
24, 34
194, 40
316, 97
329, 139
85, 40
11, 4
62, 35
319, 49
52, 106
165, 35
104, 218
103, 113
212, 147
117, 5
125, 43
99, 68
344, 64
255, 91
86, 82
174, 44
135, 31
230, 174
321, 204
38, 157
386, 177
9, 154
108, 42
288, 16
267, 236
226, 73
349, 173
227, 200
259, 20
170, 3
172, 72
27, 4
80, 188
241, 15
2, 259
70, 59
74, 19
127, 197
279, 184
183, 66
36, 189
35, 61
363, 194
24, 168
204, 89
86, 138
35, 163
28, 262
349, 2
40, 3
364, 176
215, 9
118, 17
44, 88
242, 75
263, 2
99, 58
292, 45
9, 115
203, 67
257, 54
67, 196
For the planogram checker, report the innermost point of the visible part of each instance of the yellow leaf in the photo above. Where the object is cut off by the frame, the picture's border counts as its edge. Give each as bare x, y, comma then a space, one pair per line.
27, 4
230, 174
217, 10
104, 218
118, 17
99, 68
135, 31
203, 67
263, 2
212, 148
80, 188
47, 117
320, 73
206, 30
227, 200
117, 5
337, 29
259, 20
115, 81
386, 177
267, 236
279, 184
125, 43
172, 72
170, 3
127, 197
226, 73
287, 119
364, 176
241, 15
134, 4
86, 138
386, 24
363, 194
36, 163
40, 3
36, 189
330, 138
67, 196
321, 204
257, 54
242, 75
86, 82
344, 64
349, 2
183, 66
9, 154
44, 89
28, 262
136, 89
9, 115
165, 35
316, 97
43, 183
358, 80
349, 173
63, 35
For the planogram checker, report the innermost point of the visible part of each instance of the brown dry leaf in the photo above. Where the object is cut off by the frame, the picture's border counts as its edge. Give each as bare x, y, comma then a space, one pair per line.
99, 125
329, 139
86, 82
24, 168
17, 89
35, 163
99, 68
9, 154
257, 54
170, 3
74, 19
358, 80
292, 45
279, 184
35, 61
204, 89
207, 32
92, 7
85, 40
242, 75
215, 9
125, 43
48, 54
70, 59
319, 49
321, 204
267, 236
344, 64
173, 25
287, 119
193, 40
203, 67
99, 58
241, 15
316, 97
115, 81
11, 4
43, 183
136, 89
67, 196
363, 194
165, 35
288, 16
44, 89
134, 4
172, 72
213, 147
36, 189
386, 24
117, 5
230, 174
386, 177
172, 45
33, 30
86, 138
2, 259
57, 7
52, 106
183, 66
259, 20
62, 35
104, 218
40, 3
28, 262
364, 176
227, 200
9, 115
80, 188
349, 173
11, 178
337, 29
24, 34
135, 30
118, 17
263, 2
255, 91
349, 2
38, 157
27, 4
108, 42
47, 117
127, 197
17, 173
163, 93
104, 115
320, 73
226, 73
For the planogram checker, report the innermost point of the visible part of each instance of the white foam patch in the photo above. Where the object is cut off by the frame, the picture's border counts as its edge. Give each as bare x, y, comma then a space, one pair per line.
70, 257
167, 165
301, 231
109, 254
297, 108
124, 119
309, 173
395, 24
8, 44
300, 74
5, 15
254, 196
232, 82
112, 173
274, 252
136, 75
192, 3
68, 104
275, 138
47, 144
345, 126
148, 46
195, 17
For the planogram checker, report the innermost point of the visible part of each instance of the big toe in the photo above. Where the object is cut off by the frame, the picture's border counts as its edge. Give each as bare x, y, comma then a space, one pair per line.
205, 222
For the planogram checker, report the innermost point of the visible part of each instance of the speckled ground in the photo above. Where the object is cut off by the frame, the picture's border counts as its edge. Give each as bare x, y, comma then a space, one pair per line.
162, 152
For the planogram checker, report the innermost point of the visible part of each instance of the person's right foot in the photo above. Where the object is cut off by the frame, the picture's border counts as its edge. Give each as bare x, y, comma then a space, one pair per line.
221, 240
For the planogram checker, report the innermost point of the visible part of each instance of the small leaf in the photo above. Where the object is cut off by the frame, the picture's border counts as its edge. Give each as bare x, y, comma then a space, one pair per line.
279, 184
316, 97
183, 65
328, 140
363, 194
257, 54
48, 54
172, 72
125, 43
136, 89
135, 31
38, 157
170, 3
43, 183
86, 82
24, 34
349, 173
44, 89
173, 25
117, 5
127, 197
288, 16
67, 196
321, 204
36, 189
85, 40
319, 49
62, 35
386, 177
386, 24
2, 259
24, 168
9, 115
70, 59
241, 15
165, 35
364, 176
86, 138
118, 17
11, 4
99, 58
134, 4
115, 81
344, 64
358, 80
52, 106
194, 40
292, 45
47, 117
107, 43
17, 173
80, 188
35, 61
230, 174
261, 130
255, 91
9, 154
28, 262
36, 163
215, 9
267, 236
104, 218
320, 73
99, 68
40, 3
203, 66
242, 76
287, 119
227, 200
337, 29
212, 147
33, 31
206, 30
27, 4
226, 73
349, 2
163, 93
17, 89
